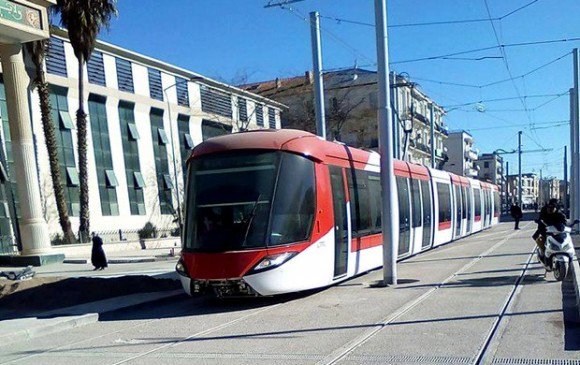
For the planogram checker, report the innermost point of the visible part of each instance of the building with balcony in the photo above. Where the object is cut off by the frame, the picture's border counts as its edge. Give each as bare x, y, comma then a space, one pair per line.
144, 118
351, 111
462, 154
530, 189
490, 168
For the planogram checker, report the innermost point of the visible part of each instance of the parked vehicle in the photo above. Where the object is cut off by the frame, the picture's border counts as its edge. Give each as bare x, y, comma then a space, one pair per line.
279, 211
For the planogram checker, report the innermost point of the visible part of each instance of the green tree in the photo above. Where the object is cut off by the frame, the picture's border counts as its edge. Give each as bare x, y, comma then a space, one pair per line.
37, 53
83, 20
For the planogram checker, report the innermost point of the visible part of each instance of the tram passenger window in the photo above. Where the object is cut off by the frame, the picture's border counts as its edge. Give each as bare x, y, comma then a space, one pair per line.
464, 202
375, 202
444, 197
358, 185
496, 203
477, 202
293, 213
403, 194
416, 203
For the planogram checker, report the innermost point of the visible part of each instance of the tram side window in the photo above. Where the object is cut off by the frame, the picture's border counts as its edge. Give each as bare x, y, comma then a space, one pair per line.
444, 197
375, 200
496, 203
358, 185
477, 202
464, 202
416, 203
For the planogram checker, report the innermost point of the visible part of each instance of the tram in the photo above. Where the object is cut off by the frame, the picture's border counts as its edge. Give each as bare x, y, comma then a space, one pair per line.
277, 211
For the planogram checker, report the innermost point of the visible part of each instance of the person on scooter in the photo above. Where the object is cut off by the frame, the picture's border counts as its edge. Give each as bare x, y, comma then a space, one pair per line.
549, 215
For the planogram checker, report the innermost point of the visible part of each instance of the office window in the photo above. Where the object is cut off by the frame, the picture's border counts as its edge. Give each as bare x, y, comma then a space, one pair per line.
64, 142
272, 118
260, 115
124, 75
155, 86
130, 136
161, 161
211, 129
215, 102
185, 141
55, 59
103, 158
182, 92
96, 69
242, 109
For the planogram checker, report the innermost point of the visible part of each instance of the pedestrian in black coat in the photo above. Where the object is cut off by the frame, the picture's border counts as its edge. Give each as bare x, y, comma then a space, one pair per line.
98, 258
516, 213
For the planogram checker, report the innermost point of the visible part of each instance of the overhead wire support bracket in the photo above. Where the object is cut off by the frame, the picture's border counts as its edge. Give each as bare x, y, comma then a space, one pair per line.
272, 3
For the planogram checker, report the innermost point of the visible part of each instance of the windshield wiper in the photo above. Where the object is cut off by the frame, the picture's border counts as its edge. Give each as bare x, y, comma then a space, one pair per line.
250, 219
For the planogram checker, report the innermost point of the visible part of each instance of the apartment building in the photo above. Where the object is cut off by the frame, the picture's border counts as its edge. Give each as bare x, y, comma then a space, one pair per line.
530, 189
462, 154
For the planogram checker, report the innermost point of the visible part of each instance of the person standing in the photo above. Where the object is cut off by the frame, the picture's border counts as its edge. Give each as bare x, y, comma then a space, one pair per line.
516, 213
98, 258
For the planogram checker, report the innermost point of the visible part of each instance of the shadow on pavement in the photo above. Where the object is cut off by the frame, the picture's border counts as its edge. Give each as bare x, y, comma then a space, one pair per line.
571, 320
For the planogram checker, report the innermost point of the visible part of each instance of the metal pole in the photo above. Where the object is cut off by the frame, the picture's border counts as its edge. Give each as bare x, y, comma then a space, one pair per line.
566, 180
318, 80
432, 121
520, 169
395, 116
572, 158
576, 136
507, 185
390, 208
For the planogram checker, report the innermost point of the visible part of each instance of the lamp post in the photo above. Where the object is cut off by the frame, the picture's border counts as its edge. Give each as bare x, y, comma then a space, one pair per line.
195, 78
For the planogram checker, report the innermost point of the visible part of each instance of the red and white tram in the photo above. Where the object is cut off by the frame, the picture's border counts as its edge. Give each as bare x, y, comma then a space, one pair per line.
278, 211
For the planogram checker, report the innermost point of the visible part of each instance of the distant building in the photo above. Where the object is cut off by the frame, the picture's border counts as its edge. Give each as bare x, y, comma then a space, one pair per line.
351, 111
462, 155
489, 168
530, 189
549, 188
564, 193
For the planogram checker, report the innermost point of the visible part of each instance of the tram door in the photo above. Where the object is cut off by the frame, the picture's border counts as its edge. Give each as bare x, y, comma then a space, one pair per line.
340, 221
404, 215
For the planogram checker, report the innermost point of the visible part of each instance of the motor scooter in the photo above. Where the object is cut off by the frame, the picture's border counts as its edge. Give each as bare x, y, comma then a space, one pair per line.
559, 250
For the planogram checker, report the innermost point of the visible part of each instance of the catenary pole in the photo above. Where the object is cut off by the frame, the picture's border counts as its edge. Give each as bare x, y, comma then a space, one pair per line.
576, 136
318, 77
507, 185
565, 180
572, 158
432, 122
395, 115
390, 209
520, 169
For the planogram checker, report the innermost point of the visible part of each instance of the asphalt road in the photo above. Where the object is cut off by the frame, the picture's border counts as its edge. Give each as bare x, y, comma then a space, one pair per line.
483, 299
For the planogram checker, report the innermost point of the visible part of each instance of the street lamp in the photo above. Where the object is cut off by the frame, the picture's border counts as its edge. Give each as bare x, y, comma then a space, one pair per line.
194, 78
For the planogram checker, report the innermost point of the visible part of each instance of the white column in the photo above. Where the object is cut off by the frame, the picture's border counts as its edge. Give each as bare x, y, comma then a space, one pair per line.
33, 227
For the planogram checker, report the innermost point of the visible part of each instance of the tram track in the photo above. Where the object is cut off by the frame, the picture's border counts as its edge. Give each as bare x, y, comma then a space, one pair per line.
344, 351
336, 356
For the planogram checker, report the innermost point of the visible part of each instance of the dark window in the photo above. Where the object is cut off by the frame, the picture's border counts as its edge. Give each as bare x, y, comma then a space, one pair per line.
359, 202
496, 203
96, 69
416, 203
486, 164
444, 197
185, 141
124, 75
55, 59
130, 135
375, 201
294, 202
215, 102
161, 161
211, 129
427, 214
106, 178
155, 85
8, 196
242, 109
458, 209
404, 215
66, 155
260, 115
182, 92
477, 202
272, 118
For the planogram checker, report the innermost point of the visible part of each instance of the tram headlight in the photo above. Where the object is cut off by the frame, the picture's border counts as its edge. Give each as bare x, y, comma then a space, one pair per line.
180, 268
272, 261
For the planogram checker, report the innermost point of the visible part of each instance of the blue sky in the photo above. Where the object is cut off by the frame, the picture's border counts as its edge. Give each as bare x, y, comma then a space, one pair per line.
228, 38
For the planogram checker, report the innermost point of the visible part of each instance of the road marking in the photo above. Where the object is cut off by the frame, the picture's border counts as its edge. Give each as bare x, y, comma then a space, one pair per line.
345, 350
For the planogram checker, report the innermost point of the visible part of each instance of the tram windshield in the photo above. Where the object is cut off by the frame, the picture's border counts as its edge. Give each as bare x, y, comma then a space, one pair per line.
250, 199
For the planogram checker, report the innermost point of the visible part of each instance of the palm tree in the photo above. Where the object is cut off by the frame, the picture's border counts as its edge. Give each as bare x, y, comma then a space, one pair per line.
37, 52
84, 20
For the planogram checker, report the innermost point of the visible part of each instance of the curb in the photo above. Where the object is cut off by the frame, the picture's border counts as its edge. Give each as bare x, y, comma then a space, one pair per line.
68, 321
